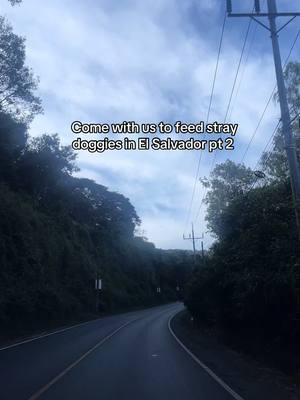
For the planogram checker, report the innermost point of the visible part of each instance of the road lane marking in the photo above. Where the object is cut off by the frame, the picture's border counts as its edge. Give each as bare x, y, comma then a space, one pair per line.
37, 395
47, 334
32, 339
202, 365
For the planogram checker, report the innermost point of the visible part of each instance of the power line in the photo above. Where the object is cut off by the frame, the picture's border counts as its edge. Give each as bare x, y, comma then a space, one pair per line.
269, 101
238, 69
259, 122
243, 71
263, 113
207, 118
258, 125
245, 65
267, 145
264, 150
228, 106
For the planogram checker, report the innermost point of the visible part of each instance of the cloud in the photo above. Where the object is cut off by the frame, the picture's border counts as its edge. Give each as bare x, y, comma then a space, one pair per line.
104, 61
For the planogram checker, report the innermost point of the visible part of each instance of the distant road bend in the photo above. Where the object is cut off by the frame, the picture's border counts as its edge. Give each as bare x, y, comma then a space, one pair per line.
127, 356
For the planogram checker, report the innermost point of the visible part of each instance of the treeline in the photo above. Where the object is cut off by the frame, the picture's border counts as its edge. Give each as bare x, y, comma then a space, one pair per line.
250, 287
58, 232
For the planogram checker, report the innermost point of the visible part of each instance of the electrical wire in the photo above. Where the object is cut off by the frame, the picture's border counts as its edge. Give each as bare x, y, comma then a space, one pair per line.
259, 122
228, 105
269, 101
207, 118
264, 151
238, 70
243, 71
267, 145
245, 65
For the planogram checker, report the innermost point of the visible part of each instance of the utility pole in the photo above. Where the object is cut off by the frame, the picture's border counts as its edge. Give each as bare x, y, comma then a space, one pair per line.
202, 249
289, 141
193, 238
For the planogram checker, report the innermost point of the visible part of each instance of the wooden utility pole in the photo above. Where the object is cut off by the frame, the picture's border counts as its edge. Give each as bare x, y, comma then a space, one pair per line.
193, 238
289, 140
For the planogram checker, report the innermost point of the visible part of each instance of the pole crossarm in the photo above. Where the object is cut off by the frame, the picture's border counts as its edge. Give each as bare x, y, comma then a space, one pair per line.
260, 23
286, 24
254, 17
291, 14
195, 238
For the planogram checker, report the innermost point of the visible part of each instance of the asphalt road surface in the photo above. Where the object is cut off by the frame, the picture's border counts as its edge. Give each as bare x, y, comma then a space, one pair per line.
127, 356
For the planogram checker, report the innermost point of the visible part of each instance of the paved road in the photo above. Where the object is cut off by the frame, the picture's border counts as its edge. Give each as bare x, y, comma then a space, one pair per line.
127, 356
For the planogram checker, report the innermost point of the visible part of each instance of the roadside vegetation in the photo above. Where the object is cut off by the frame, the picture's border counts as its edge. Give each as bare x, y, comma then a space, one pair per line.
59, 232
250, 285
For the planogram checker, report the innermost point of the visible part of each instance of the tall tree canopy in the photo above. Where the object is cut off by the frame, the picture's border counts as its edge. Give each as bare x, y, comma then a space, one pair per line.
250, 283
17, 82
274, 161
227, 182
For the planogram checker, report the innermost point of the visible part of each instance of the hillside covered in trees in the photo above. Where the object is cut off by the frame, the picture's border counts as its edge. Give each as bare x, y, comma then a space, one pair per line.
250, 287
58, 233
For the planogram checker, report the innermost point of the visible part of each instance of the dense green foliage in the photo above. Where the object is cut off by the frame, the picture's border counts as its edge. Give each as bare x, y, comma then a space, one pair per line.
14, 2
17, 82
58, 232
250, 285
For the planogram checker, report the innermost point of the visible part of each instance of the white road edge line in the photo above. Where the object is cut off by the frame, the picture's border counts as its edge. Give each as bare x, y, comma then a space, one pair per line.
36, 395
47, 334
50, 333
202, 365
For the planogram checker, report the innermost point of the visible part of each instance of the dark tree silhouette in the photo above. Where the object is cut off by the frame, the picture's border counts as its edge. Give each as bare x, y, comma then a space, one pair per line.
17, 82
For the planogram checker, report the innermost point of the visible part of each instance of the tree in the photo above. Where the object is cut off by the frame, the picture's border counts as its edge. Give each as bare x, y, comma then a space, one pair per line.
247, 285
250, 282
227, 182
56, 230
13, 138
14, 2
274, 162
103, 208
292, 79
44, 164
17, 82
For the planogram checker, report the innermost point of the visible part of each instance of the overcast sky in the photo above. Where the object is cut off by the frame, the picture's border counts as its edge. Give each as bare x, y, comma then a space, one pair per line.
149, 61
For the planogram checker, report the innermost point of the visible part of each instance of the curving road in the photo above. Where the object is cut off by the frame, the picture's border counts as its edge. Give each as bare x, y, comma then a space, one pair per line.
127, 356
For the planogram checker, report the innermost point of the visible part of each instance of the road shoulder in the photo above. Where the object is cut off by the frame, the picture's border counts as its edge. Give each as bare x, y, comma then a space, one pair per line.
245, 375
